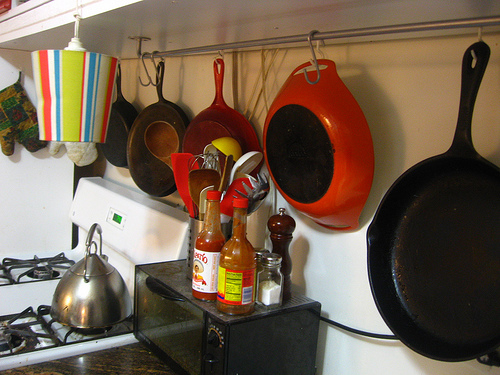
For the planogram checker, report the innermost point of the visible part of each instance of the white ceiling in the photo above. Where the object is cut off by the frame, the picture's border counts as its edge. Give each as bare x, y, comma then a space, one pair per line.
176, 24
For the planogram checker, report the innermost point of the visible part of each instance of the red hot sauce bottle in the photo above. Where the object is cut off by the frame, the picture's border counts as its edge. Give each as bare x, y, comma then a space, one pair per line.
207, 251
235, 294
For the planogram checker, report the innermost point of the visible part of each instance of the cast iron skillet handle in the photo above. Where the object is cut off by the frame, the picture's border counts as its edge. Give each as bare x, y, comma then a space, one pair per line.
119, 94
474, 65
157, 287
160, 72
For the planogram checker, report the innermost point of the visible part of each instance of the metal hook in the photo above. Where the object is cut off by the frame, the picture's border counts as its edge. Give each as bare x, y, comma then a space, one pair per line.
309, 40
220, 55
157, 69
147, 72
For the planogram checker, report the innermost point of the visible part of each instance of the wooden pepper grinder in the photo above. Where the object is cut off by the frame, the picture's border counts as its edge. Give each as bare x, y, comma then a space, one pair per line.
281, 227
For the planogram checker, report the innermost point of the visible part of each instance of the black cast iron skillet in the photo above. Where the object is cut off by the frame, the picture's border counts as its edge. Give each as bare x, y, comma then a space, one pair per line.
434, 244
151, 174
121, 119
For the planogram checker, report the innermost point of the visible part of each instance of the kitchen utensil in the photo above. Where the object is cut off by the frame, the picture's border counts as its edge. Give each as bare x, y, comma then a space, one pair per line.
92, 293
203, 201
433, 245
121, 119
219, 120
228, 166
180, 167
200, 179
161, 140
257, 194
151, 174
318, 133
246, 163
228, 146
210, 149
226, 205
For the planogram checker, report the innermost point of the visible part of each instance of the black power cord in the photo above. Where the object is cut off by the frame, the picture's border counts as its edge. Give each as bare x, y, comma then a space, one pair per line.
490, 359
357, 331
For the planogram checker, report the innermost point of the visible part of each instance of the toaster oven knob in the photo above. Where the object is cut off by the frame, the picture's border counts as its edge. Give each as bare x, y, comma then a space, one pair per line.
213, 338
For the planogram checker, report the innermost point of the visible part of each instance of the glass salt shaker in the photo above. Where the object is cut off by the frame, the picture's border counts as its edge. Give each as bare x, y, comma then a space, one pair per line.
258, 258
270, 281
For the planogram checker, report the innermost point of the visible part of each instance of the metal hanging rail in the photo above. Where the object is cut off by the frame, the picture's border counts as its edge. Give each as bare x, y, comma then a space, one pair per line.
349, 33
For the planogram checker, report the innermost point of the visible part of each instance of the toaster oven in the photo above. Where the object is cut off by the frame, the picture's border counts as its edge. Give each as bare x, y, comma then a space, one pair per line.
194, 338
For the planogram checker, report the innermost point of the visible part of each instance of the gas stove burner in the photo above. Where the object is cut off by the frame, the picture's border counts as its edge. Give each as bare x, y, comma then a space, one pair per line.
92, 331
25, 332
86, 332
11, 343
43, 273
16, 271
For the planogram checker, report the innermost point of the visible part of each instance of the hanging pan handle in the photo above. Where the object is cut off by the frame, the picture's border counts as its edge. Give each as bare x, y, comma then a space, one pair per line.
219, 82
474, 65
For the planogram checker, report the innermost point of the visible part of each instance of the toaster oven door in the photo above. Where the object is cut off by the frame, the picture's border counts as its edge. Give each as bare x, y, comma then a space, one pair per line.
169, 324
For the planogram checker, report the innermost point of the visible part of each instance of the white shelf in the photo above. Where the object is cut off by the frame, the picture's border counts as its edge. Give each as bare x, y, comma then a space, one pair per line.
178, 24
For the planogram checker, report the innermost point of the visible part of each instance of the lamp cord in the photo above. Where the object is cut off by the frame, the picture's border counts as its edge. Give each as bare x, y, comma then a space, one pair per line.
78, 17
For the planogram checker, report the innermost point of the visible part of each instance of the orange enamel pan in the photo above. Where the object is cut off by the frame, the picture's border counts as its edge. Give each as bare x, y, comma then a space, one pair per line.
318, 147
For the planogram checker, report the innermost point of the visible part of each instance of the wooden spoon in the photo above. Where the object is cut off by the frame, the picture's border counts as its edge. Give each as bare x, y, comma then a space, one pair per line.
162, 140
200, 179
228, 166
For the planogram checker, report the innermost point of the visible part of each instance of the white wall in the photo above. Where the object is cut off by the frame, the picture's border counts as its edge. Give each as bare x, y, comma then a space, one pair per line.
36, 188
409, 92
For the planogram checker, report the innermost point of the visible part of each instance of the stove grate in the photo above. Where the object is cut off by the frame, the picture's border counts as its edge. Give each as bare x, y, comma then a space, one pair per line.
25, 331
16, 271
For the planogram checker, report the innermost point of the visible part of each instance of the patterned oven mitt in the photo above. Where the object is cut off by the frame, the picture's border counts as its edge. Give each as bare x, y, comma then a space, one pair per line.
18, 121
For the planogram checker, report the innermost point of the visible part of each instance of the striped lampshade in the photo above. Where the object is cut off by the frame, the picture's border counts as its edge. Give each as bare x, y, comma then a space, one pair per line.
75, 93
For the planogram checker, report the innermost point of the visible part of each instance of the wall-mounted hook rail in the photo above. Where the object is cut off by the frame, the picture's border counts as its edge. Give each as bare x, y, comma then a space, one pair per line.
339, 34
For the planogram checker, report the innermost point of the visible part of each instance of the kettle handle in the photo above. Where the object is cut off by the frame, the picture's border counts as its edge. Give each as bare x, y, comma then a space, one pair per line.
88, 243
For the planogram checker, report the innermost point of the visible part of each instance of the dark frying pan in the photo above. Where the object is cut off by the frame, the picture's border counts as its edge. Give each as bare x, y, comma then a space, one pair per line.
121, 119
219, 120
151, 173
434, 244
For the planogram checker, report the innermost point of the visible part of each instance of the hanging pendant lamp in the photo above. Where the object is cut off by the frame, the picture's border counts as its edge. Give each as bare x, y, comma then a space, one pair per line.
75, 90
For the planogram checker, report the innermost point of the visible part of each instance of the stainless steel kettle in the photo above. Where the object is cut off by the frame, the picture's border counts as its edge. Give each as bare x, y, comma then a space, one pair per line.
92, 293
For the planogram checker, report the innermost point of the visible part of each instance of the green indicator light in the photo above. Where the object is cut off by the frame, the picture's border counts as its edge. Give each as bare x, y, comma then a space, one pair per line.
117, 218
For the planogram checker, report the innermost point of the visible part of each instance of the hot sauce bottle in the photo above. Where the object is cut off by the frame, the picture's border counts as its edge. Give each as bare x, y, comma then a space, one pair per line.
207, 251
235, 293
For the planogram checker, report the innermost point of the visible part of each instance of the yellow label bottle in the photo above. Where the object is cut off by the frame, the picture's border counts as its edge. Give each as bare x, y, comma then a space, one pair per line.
236, 279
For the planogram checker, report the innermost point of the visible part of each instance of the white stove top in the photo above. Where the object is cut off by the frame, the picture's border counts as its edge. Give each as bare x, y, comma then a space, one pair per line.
136, 229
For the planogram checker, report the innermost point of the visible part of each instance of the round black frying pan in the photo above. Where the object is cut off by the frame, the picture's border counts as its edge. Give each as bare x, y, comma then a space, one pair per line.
121, 119
150, 173
434, 244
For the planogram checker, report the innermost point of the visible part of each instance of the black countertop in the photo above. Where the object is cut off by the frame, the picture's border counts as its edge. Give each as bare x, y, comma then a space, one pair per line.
128, 359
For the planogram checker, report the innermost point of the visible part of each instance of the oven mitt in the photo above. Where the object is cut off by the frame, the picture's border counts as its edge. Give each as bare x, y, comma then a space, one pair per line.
18, 121
80, 153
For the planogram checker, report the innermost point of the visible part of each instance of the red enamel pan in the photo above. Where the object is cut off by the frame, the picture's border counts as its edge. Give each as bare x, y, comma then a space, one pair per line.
219, 120
318, 147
